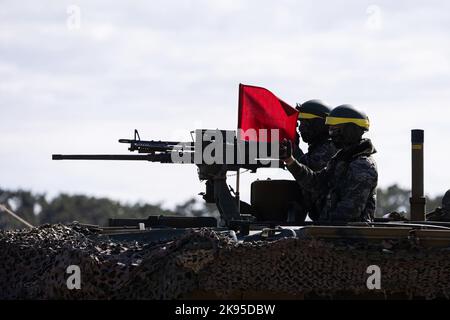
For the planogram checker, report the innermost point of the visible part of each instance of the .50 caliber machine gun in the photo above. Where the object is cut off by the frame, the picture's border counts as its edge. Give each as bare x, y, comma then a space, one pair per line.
213, 151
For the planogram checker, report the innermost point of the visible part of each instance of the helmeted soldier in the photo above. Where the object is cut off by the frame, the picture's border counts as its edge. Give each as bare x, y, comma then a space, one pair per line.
347, 185
314, 132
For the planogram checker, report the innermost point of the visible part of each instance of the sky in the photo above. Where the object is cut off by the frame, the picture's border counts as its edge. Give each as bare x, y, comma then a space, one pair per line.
75, 76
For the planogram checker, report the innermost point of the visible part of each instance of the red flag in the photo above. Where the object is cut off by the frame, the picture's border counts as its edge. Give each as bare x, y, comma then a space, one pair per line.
261, 109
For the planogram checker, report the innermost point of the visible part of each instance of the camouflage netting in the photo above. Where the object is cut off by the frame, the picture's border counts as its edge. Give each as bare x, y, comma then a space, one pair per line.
33, 266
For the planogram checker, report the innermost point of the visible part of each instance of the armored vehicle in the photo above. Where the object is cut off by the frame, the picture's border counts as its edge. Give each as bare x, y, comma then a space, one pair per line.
254, 251
258, 250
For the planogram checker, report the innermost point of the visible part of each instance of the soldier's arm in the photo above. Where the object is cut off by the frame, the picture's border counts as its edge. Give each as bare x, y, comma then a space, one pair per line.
361, 179
319, 157
305, 177
298, 153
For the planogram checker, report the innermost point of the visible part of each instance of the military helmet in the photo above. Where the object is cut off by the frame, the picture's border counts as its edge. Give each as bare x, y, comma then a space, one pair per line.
347, 114
313, 109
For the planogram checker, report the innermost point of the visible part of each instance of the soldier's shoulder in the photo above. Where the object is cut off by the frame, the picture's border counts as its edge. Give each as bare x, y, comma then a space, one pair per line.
327, 145
325, 149
318, 157
364, 162
364, 167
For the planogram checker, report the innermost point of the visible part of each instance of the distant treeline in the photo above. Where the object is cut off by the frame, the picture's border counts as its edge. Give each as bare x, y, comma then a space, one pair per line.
395, 198
38, 209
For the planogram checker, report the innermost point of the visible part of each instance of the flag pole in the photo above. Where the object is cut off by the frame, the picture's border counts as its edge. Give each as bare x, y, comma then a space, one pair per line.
240, 98
237, 192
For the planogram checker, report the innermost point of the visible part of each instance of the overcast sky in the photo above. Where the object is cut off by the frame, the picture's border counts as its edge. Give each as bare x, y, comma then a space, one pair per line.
75, 76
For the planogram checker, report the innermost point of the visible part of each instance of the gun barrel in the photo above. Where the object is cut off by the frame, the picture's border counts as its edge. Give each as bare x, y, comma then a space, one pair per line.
126, 157
163, 158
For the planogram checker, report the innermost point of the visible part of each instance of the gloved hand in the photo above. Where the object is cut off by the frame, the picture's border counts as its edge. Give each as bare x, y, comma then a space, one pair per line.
285, 149
217, 171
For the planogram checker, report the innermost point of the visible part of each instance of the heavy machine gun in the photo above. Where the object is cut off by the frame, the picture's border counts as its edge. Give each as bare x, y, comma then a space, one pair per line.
227, 150
215, 152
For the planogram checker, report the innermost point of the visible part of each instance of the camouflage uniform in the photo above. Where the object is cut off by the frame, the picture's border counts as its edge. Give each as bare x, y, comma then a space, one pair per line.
441, 213
346, 187
317, 157
318, 154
